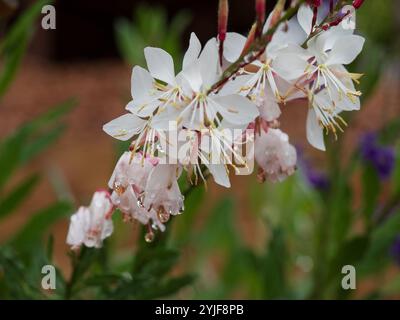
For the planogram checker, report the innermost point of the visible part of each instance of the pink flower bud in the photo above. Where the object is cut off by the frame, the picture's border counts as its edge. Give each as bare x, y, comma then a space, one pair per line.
222, 19
358, 3
260, 11
314, 3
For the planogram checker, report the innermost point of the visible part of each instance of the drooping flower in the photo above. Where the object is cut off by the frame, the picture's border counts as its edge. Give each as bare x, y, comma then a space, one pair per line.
146, 190
274, 154
91, 225
320, 70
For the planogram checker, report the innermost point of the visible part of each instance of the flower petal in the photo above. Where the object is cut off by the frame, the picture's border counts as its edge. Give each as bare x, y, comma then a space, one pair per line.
219, 172
192, 52
290, 66
160, 64
124, 127
315, 134
305, 16
141, 84
192, 74
209, 65
233, 46
345, 50
235, 108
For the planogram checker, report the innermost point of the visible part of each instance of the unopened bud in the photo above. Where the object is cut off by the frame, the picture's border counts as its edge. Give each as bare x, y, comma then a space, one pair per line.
314, 3
358, 3
277, 12
260, 11
223, 12
223, 19
250, 39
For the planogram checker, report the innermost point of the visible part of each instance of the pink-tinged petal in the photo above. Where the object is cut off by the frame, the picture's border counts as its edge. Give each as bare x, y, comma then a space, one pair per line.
160, 64
192, 52
315, 134
77, 227
124, 127
345, 50
269, 109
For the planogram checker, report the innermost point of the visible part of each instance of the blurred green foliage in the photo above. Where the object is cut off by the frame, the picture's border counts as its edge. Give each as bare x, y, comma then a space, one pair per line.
14, 44
150, 27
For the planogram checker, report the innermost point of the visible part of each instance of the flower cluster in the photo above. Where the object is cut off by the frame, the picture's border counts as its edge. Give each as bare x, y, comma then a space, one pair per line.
229, 94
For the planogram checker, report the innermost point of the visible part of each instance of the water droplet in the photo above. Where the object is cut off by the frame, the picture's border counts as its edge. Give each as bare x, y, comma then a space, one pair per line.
149, 237
163, 216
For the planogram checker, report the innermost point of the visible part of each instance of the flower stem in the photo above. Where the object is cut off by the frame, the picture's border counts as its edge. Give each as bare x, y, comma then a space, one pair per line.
255, 50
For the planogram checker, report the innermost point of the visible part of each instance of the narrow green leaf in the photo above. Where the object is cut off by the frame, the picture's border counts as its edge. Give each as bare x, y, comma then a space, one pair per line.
39, 223
382, 238
167, 288
14, 45
41, 142
30, 139
275, 286
371, 191
15, 198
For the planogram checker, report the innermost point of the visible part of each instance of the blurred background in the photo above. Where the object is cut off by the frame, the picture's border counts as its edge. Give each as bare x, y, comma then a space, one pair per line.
260, 241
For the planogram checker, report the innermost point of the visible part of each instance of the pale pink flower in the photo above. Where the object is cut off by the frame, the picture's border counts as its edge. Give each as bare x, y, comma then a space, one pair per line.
91, 225
274, 154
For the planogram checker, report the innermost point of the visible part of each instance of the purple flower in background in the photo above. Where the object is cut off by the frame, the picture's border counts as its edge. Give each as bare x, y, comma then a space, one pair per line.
395, 250
315, 178
382, 158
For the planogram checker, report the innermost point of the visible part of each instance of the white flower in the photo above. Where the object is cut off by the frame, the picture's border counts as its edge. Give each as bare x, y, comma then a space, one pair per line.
91, 225
204, 108
162, 192
146, 190
275, 155
320, 70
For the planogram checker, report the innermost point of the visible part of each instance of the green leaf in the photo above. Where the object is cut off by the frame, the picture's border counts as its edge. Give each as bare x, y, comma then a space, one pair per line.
275, 286
11, 65
220, 228
155, 262
14, 281
54, 114
10, 153
15, 198
14, 45
167, 288
129, 42
30, 139
39, 223
342, 213
371, 190
41, 142
183, 225
377, 254
349, 253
